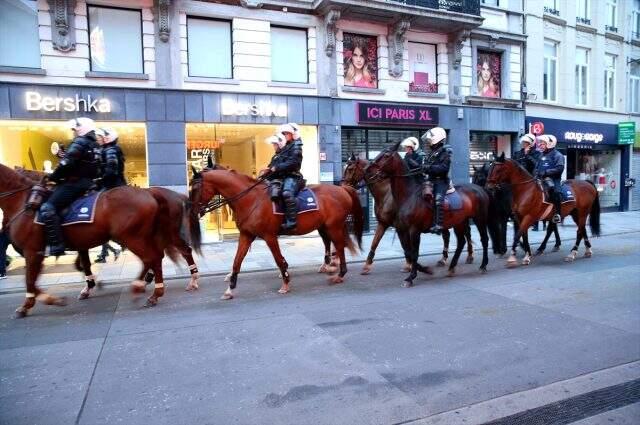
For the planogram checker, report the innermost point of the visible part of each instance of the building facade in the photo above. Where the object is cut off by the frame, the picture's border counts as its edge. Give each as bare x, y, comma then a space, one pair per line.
183, 80
582, 74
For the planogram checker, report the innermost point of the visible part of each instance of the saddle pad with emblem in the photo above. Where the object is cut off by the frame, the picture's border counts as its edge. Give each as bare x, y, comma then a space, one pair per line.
81, 210
566, 192
306, 202
452, 201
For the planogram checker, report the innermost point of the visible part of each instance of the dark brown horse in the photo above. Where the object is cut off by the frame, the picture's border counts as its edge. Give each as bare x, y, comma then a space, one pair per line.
415, 215
386, 212
255, 218
529, 206
131, 216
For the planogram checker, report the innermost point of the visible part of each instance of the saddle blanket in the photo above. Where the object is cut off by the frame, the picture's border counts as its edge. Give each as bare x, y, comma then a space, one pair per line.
452, 201
566, 192
306, 202
81, 210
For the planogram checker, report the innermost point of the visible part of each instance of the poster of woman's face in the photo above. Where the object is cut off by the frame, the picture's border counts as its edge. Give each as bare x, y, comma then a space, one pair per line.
360, 55
488, 69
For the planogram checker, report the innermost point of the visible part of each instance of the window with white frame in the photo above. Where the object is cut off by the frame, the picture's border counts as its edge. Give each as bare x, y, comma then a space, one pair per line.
609, 81
611, 16
550, 71
552, 7
289, 57
583, 12
582, 76
115, 40
209, 48
634, 87
19, 40
635, 20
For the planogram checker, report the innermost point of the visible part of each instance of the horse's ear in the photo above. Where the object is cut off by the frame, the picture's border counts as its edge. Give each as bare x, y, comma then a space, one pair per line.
475, 169
352, 157
209, 162
501, 157
396, 146
195, 172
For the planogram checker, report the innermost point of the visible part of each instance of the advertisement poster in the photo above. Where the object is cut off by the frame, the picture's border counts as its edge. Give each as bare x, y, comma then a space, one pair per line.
422, 68
488, 70
360, 56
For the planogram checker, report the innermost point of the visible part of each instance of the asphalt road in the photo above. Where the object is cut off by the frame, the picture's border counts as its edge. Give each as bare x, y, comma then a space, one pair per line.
553, 338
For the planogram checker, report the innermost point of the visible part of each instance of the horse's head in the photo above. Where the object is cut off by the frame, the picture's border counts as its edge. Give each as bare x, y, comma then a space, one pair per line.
354, 171
387, 163
500, 171
480, 174
200, 193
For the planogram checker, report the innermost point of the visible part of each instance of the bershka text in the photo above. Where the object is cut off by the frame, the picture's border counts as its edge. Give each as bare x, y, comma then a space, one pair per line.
36, 102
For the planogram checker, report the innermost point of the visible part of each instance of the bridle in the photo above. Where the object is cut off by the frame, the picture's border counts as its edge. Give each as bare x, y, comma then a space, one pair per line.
491, 186
357, 185
381, 175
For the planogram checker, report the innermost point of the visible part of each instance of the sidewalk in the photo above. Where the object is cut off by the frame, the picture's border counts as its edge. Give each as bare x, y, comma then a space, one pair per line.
217, 258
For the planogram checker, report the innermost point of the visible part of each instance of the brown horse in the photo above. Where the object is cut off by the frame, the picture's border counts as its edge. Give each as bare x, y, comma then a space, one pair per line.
131, 216
255, 218
529, 206
386, 212
415, 215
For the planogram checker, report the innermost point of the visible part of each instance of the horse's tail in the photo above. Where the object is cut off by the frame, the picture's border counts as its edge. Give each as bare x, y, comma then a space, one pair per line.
357, 214
594, 215
194, 227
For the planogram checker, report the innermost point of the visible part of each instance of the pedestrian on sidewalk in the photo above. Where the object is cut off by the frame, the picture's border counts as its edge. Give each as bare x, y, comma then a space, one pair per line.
4, 244
102, 257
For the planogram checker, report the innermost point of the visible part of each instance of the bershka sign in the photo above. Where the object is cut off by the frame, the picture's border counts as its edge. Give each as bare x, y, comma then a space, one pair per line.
587, 137
379, 113
34, 101
260, 109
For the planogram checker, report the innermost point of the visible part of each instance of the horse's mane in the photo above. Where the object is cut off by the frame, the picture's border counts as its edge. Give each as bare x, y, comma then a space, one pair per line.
218, 167
9, 175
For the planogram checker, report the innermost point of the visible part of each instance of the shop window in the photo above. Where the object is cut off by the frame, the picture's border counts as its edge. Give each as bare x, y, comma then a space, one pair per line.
19, 40
115, 39
423, 69
27, 144
602, 168
241, 147
550, 70
485, 147
582, 76
209, 48
609, 81
360, 59
289, 57
611, 16
634, 87
583, 12
488, 73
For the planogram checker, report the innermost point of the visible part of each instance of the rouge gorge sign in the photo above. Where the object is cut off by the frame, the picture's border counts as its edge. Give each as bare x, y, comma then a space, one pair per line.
379, 113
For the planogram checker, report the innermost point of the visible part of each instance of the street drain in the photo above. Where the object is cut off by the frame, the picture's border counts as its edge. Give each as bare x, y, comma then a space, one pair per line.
576, 408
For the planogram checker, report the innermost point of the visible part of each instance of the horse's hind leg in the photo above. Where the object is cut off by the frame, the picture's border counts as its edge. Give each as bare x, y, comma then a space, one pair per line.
338, 237
274, 247
380, 231
467, 236
446, 238
158, 289
581, 222
556, 247
326, 264
543, 245
245, 241
89, 278
459, 231
187, 254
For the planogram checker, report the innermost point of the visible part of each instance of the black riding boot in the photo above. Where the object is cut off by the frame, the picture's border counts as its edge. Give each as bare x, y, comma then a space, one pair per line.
437, 220
290, 212
55, 241
557, 202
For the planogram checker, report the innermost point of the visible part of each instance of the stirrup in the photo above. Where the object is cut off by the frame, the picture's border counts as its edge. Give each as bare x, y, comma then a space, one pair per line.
556, 218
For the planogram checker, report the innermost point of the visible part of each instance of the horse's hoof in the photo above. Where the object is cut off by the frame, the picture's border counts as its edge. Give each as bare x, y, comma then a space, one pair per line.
137, 288
20, 313
526, 261
451, 273
539, 253
569, 259
226, 296
483, 270
556, 248
322, 269
407, 284
425, 269
441, 263
84, 295
59, 301
336, 280
469, 260
588, 253
151, 302
405, 269
283, 291
365, 272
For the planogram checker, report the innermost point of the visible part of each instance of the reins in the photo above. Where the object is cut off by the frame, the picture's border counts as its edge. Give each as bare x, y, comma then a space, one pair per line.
220, 202
13, 192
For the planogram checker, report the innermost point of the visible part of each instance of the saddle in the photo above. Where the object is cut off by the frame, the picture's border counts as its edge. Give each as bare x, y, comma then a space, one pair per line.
427, 190
306, 202
80, 211
566, 193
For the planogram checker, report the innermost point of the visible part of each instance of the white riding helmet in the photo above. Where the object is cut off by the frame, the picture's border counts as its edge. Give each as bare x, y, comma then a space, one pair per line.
296, 130
549, 140
277, 139
434, 136
410, 142
528, 138
82, 125
286, 128
108, 134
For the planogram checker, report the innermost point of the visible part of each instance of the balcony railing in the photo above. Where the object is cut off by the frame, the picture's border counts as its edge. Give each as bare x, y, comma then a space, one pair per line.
471, 7
584, 21
610, 28
551, 11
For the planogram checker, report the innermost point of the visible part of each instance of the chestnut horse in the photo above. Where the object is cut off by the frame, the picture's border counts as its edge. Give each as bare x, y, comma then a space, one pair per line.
128, 215
178, 220
386, 212
528, 206
415, 215
252, 207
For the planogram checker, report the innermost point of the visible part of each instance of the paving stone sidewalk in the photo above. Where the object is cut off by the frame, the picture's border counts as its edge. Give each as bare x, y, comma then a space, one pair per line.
306, 251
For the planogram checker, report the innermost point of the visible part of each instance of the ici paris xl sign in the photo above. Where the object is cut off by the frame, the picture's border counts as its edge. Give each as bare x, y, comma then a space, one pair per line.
36, 102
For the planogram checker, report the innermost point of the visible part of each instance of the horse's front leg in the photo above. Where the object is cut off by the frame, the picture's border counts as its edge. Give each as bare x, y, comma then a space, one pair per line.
523, 228
34, 267
274, 247
556, 233
89, 278
326, 266
446, 238
459, 231
467, 236
380, 231
244, 242
158, 288
187, 254
413, 246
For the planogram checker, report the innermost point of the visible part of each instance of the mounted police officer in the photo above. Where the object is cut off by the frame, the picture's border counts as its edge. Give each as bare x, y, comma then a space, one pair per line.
549, 169
112, 168
415, 156
285, 168
74, 176
528, 156
436, 168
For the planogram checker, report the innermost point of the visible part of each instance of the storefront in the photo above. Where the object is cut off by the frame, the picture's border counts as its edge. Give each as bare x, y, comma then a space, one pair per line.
592, 152
485, 146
